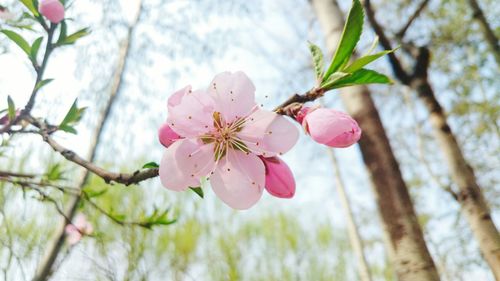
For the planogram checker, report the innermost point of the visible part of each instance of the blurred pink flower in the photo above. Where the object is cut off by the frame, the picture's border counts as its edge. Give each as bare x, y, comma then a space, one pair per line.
224, 134
5, 14
279, 178
331, 127
5, 118
53, 10
79, 228
167, 136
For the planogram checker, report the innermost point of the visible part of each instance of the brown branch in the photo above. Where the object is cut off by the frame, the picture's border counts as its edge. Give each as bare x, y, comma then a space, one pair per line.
15, 175
291, 104
397, 68
401, 33
488, 32
107, 176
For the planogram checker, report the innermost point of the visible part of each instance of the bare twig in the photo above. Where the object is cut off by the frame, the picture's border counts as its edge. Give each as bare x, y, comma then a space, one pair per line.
398, 69
401, 33
15, 175
488, 32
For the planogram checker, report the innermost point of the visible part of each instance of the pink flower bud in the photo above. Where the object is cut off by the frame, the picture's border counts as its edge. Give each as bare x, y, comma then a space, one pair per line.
53, 10
4, 120
331, 127
302, 114
167, 136
279, 178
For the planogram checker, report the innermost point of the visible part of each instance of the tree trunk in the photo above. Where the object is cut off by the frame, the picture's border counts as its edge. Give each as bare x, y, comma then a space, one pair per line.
470, 197
45, 267
352, 227
411, 259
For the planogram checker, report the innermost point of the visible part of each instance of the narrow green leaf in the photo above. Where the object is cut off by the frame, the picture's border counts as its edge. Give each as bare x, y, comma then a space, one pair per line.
318, 63
198, 190
150, 165
373, 46
63, 32
72, 117
361, 62
18, 39
70, 39
11, 109
96, 193
31, 6
68, 129
42, 83
350, 37
34, 49
361, 77
336, 76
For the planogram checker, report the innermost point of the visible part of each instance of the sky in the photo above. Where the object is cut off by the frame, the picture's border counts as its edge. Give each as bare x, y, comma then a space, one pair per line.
272, 42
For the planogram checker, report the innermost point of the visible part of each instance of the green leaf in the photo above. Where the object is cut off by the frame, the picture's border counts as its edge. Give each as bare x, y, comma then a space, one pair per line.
336, 76
31, 6
54, 172
63, 32
34, 49
95, 193
72, 117
361, 77
18, 39
318, 63
70, 39
150, 165
350, 37
42, 83
11, 109
198, 190
67, 129
361, 62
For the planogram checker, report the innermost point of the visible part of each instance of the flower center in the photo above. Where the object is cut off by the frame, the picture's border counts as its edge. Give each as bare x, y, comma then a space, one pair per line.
225, 136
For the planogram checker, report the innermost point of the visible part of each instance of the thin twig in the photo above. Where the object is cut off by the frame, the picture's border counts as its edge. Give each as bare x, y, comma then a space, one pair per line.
401, 33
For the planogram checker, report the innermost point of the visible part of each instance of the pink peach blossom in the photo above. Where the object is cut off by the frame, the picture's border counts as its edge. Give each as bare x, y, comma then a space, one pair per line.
53, 10
279, 178
79, 228
167, 136
331, 127
224, 132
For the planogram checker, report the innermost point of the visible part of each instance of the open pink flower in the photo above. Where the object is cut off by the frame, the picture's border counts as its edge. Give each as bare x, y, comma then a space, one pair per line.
167, 136
79, 228
53, 10
224, 132
279, 178
331, 127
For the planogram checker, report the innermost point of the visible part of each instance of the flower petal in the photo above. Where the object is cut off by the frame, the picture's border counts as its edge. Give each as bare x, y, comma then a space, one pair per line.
234, 95
184, 163
239, 179
268, 133
190, 113
167, 136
